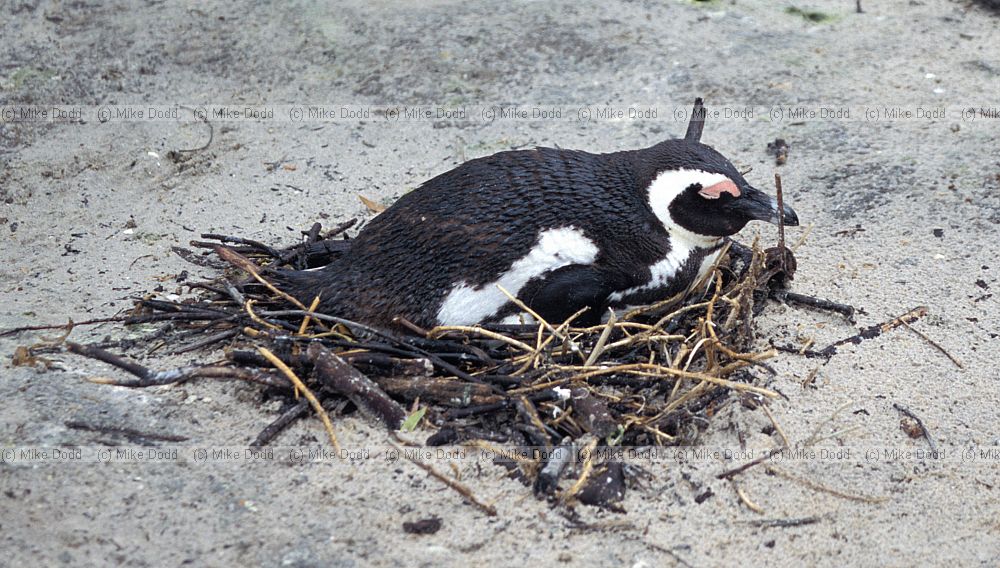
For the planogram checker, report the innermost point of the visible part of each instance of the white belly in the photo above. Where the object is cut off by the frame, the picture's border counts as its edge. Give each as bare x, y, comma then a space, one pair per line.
467, 305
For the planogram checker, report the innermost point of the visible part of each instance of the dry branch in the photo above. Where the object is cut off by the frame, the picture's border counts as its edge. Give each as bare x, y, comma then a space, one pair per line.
344, 379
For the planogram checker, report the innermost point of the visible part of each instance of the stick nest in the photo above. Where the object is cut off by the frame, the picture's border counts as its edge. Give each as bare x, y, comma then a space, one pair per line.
651, 376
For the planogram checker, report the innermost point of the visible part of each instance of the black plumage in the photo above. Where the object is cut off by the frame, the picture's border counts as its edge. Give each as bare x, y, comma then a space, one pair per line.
472, 223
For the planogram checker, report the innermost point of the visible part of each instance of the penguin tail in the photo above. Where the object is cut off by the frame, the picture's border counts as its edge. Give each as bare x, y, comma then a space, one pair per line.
303, 285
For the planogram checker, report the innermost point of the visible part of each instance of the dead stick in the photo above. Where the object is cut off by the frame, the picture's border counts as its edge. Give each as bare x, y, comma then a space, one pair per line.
741, 468
823, 488
447, 392
457, 486
777, 427
783, 523
71, 323
241, 241
934, 343
282, 422
595, 354
305, 320
813, 302
548, 478
535, 428
241, 262
339, 377
129, 433
588, 454
214, 338
150, 378
745, 499
110, 358
306, 392
876, 330
781, 221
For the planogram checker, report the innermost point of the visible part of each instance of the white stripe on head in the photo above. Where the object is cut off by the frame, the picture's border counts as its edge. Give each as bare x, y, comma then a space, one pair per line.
662, 192
666, 187
467, 305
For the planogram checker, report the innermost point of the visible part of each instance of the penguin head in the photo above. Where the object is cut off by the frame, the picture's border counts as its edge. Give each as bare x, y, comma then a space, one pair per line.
692, 187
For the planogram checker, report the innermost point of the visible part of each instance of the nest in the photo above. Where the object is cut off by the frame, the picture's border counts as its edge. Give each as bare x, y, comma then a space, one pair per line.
652, 376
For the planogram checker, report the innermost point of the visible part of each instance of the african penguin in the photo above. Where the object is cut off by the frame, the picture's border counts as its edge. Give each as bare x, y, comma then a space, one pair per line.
560, 229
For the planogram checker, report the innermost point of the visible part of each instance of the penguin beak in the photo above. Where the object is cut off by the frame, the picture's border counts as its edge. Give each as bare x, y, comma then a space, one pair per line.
759, 206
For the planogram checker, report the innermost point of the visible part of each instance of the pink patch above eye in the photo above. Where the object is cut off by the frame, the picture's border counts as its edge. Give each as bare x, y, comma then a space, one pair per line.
716, 190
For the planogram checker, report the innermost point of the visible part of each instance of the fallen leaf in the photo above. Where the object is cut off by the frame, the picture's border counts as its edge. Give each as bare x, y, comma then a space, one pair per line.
410, 424
371, 205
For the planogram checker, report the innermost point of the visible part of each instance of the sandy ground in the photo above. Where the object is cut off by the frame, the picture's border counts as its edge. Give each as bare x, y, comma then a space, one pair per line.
905, 212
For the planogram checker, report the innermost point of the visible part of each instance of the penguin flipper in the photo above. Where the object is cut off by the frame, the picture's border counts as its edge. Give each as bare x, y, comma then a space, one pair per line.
564, 291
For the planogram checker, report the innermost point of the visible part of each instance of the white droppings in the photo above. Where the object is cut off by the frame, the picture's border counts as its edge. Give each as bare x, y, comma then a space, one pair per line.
561, 392
664, 189
467, 305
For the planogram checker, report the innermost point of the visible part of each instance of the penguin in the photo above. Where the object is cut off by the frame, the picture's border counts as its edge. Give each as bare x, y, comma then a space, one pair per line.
559, 229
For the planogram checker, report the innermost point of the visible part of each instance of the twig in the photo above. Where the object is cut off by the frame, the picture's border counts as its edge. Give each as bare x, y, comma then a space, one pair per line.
456, 485
781, 222
603, 339
745, 499
536, 429
305, 320
819, 303
317, 406
802, 239
241, 262
784, 439
548, 477
150, 378
211, 131
566, 341
205, 342
934, 343
741, 468
588, 467
146, 438
814, 437
874, 331
242, 241
279, 424
784, 523
344, 379
400, 320
110, 358
69, 324
443, 329
824, 489
648, 370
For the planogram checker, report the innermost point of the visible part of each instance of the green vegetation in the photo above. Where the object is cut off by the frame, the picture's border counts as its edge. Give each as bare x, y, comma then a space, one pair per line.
809, 15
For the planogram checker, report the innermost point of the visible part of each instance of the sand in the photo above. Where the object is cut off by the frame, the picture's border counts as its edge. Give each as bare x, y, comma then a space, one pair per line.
904, 213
